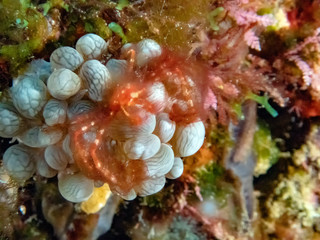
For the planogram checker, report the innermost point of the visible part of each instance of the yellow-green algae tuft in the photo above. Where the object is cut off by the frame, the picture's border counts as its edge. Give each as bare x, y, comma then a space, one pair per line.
293, 201
24, 32
266, 150
171, 23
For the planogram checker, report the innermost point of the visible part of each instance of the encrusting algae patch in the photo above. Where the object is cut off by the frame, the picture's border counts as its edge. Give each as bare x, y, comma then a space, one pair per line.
97, 200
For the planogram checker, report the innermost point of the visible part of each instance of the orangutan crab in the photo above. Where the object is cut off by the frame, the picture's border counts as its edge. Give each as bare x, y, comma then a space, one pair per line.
128, 123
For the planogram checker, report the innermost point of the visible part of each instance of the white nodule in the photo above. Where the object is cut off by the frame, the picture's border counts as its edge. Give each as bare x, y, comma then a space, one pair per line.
176, 170
129, 196
161, 163
55, 112
43, 168
19, 162
150, 186
142, 147
65, 57
121, 128
79, 107
66, 148
56, 157
117, 68
63, 83
147, 49
157, 95
165, 127
97, 79
29, 96
75, 188
188, 139
11, 123
91, 46
41, 136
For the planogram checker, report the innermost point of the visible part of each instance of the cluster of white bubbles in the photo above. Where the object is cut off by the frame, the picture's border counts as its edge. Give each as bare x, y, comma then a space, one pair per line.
37, 109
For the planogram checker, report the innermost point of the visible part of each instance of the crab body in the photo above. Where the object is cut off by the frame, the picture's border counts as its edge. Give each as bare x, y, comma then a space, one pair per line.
165, 84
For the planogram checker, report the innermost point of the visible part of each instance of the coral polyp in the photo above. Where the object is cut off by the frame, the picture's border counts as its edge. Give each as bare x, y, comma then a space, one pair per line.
117, 121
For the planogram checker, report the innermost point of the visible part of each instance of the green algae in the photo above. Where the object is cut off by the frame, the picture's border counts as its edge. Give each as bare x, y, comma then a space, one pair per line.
122, 4
31, 231
98, 26
26, 29
292, 199
117, 29
309, 152
161, 200
263, 101
214, 16
85, 17
24, 32
184, 228
53, 4
266, 150
211, 180
171, 23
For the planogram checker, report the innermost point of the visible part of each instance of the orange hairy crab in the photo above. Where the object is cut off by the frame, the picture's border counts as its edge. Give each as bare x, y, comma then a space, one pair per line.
96, 154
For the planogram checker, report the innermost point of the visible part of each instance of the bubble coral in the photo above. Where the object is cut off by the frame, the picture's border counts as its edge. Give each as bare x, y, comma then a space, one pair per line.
126, 123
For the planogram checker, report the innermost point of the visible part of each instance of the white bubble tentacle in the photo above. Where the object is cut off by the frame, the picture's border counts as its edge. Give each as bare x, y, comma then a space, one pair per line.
147, 49
75, 187
79, 107
142, 147
55, 112
121, 128
91, 46
165, 127
19, 162
43, 169
176, 170
97, 79
56, 157
161, 163
63, 84
11, 123
41, 136
188, 139
150, 186
65, 57
29, 96
117, 68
